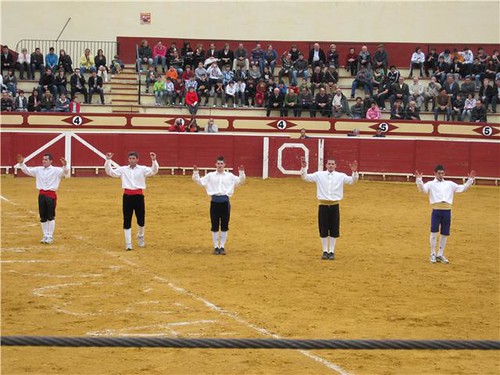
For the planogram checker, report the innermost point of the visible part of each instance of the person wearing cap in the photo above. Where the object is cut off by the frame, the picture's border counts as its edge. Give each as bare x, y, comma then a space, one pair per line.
220, 186
441, 194
330, 191
133, 178
381, 58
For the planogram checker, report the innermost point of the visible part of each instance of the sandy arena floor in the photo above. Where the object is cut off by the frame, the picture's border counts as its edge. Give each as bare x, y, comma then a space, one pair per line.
271, 282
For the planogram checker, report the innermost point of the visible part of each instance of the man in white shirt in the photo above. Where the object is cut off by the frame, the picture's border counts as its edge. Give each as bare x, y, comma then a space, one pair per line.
441, 194
330, 191
47, 178
220, 186
133, 178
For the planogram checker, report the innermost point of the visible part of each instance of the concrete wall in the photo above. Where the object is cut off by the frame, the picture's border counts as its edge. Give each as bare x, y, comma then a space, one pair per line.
350, 21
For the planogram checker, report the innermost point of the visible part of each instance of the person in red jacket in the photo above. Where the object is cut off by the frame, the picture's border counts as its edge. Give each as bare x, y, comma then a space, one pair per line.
192, 101
177, 126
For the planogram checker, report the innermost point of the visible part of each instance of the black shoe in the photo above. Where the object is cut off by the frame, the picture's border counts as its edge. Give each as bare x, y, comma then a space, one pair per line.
216, 251
331, 256
222, 251
325, 255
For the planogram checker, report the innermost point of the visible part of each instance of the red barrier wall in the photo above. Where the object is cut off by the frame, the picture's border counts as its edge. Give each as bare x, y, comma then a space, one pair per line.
399, 53
381, 155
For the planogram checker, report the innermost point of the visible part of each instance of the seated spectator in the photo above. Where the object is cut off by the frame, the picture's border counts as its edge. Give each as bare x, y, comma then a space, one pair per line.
332, 56
291, 103
322, 103
486, 93
160, 55
468, 87
101, 65
37, 63
478, 71
47, 83
351, 63
34, 102
169, 91
317, 79
61, 82
214, 74
62, 104
158, 90
373, 112
417, 61
340, 105
416, 92
270, 58
330, 77
65, 63
244, 75
48, 102
21, 103
286, 67
10, 81
96, 86
430, 62
377, 77
8, 61
457, 106
397, 111
240, 57
240, 87
51, 60
305, 102
7, 104
362, 80
266, 74
400, 91
178, 126
198, 54
367, 103
379, 133
219, 92
446, 55
24, 64
383, 92
317, 57
294, 52
200, 70
381, 59
257, 57
172, 74
230, 94
469, 104
358, 110
226, 56
495, 99
151, 77
203, 89
212, 54
250, 91
300, 69
117, 65
228, 74
303, 134
188, 74
431, 92
145, 55
478, 113
442, 69
77, 83
260, 93
177, 62
393, 75
193, 126
192, 101
468, 60
412, 111
275, 102
364, 58
179, 91
443, 105
353, 133
74, 105
87, 63
186, 53
211, 127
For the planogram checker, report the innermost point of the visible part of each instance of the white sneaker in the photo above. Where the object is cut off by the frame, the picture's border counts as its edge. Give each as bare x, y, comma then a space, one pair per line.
442, 259
433, 258
49, 240
44, 239
140, 241
128, 247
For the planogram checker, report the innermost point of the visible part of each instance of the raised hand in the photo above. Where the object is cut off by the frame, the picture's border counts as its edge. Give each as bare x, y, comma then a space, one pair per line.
63, 161
354, 166
153, 156
418, 174
20, 158
241, 168
109, 155
195, 168
472, 174
303, 162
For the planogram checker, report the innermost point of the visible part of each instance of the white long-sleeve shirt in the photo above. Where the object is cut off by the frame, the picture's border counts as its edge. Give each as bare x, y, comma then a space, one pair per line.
330, 185
132, 178
216, 183
47, 178
442, 191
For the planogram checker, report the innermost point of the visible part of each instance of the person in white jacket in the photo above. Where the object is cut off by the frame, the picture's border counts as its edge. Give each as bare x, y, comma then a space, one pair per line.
441, 195
220, 186
330, 191
47, 178
133, 178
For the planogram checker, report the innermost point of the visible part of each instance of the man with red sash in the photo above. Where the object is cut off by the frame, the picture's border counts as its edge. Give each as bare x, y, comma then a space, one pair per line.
47, 178
133, 183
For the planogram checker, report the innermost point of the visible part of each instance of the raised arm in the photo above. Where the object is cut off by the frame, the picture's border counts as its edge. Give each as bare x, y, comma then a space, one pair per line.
196, 176
154, 166
470, 181
303, 171
28, 171
108, 168
355, 175
241, 175
65, 167
420, 183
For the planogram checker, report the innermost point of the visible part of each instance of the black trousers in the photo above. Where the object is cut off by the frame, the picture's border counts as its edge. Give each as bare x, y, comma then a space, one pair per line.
133, 203
329, 220
46, 208
219, 214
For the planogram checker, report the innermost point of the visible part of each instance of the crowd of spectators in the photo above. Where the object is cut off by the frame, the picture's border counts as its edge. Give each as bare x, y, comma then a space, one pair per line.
462, 84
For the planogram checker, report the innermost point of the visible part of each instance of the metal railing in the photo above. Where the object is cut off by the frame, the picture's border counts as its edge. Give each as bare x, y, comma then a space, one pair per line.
138, 75
73, 48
